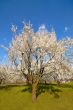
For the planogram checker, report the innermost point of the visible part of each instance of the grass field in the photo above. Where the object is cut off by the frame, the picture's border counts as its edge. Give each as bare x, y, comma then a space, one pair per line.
50, 97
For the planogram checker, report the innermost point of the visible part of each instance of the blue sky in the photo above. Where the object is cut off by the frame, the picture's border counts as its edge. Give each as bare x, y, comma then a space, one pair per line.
52, 13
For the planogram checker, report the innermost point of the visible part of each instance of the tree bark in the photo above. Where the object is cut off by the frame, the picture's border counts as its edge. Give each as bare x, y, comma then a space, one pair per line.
34, 91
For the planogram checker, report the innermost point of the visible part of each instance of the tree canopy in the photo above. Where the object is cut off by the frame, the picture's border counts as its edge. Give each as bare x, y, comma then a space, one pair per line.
39, 53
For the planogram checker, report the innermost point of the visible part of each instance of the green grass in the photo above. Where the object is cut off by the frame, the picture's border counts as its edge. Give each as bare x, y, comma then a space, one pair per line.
50, 97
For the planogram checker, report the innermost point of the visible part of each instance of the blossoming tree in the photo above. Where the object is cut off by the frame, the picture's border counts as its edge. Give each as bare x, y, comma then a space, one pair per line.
38, 53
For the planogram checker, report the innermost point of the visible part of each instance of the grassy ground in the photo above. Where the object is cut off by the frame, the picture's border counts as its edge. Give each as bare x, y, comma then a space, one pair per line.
50, 97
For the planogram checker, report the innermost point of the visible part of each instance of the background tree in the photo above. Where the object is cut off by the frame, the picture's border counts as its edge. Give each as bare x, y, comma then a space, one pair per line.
39, 53
3, 75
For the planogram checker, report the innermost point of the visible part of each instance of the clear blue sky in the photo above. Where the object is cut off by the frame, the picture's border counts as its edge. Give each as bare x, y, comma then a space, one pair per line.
52, 13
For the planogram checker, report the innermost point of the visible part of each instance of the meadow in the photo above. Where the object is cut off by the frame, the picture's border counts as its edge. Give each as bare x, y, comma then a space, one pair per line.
49, 97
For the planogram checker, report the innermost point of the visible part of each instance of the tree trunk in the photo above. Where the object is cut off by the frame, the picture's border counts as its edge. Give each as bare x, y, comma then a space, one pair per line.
34, 90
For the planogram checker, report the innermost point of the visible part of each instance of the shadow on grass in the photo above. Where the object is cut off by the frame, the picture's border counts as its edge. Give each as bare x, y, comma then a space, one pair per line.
28, 88
50, 88
66, 85
53, 89
7, 87
42, 88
